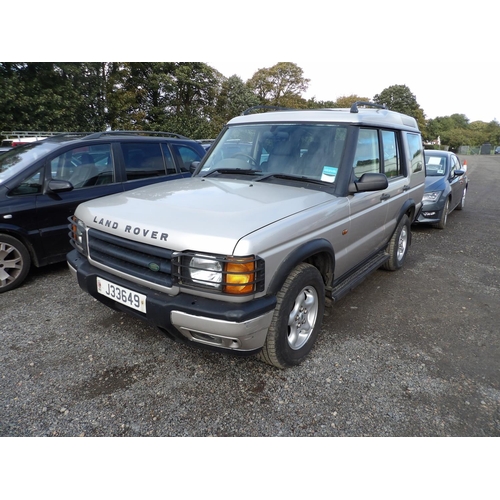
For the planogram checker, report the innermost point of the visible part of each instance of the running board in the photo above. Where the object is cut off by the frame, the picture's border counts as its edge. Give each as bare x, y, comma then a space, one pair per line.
353, 280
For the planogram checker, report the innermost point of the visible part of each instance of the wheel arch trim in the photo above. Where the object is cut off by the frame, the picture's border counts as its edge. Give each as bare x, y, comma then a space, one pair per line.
321, 249
408, 206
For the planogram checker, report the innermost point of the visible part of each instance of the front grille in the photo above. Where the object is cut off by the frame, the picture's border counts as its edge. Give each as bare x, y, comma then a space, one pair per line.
146, 262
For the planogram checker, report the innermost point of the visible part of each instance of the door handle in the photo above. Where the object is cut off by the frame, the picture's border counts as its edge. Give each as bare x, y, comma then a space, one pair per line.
385, 196
406, 188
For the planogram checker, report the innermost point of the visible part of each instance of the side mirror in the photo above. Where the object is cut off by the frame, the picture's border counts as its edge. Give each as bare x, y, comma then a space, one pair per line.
369, 182
59, 186
458, 173
194, 165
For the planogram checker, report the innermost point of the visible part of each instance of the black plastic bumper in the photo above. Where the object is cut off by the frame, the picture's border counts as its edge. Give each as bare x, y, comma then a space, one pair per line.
160, 305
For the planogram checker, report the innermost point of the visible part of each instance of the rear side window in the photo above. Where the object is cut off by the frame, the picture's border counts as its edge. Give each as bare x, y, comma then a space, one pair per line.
143, 160
416, 152
392, 164
454, 165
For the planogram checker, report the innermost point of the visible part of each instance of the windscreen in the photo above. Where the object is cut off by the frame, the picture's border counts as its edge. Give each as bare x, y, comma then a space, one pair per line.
17, 159
306, 150
435, 166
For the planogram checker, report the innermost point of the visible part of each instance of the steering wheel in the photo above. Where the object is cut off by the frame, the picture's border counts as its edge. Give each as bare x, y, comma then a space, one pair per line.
250, 159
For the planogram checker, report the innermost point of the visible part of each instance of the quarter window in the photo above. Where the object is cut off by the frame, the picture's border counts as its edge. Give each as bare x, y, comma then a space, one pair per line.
31, 185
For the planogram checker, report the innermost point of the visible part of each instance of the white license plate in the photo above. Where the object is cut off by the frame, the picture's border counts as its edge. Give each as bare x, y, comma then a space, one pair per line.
122, 295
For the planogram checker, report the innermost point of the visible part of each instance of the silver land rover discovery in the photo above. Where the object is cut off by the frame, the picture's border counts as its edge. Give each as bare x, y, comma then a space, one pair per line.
288, 207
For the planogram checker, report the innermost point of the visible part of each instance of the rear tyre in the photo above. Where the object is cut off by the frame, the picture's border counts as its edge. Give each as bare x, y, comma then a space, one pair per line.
444, 216
15, 262
297, 318
398, 245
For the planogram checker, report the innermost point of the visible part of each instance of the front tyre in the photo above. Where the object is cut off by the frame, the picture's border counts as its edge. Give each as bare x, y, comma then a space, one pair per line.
444, 215
398, 245
15, 262
461, 205
297, 318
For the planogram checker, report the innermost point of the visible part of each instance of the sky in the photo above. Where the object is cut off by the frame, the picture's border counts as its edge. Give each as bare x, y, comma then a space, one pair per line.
436, 94
445, 52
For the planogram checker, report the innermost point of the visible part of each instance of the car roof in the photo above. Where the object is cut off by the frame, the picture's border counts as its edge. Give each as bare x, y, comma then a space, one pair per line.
437, 152
363, 116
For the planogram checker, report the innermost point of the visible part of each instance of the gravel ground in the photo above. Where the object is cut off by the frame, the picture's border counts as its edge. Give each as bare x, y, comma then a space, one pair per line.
411, 353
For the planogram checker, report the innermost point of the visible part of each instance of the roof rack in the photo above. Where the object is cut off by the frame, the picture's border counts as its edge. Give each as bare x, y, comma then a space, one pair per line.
354, 107
19, 134
135, 132
265, 107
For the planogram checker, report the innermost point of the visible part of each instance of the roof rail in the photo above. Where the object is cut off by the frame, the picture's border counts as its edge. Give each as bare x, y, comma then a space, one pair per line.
135, 132
265, 107
70, 134
354, 107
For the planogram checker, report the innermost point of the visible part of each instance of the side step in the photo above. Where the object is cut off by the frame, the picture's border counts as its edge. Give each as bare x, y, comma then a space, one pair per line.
354, 279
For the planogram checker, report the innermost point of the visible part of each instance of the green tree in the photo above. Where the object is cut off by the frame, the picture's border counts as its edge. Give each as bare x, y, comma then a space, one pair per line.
174, 97
138, 94
456, 130
86, 94
51, 96
456, 137
280, 85
492, 132
399, 98
120, 97
312, 103
192, 103
234, 98
459, 120
349, 100
340, 102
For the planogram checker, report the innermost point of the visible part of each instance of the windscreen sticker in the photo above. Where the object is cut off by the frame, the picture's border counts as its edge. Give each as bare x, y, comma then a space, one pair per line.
329, 174
432, 160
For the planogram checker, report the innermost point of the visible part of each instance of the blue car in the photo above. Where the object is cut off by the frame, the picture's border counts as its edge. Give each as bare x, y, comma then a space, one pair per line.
446, 184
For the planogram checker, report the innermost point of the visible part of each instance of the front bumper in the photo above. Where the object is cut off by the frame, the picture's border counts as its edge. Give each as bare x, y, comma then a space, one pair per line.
214, 324
430, 213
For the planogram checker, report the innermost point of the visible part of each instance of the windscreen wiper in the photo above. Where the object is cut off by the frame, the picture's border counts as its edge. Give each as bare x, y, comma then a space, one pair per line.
288, 177
244, 171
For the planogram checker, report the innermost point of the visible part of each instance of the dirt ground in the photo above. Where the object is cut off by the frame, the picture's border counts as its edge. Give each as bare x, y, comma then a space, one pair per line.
410, 353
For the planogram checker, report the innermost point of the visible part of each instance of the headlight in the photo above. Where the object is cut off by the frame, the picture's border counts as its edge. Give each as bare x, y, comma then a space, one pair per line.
226, 274
206, 271
78, 234
432, 196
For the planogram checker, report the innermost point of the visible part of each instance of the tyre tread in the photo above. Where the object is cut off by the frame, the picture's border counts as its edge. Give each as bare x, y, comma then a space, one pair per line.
270, 352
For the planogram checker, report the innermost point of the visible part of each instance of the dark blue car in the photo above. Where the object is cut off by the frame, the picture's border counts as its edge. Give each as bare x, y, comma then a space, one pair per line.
42, 183
446, 184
